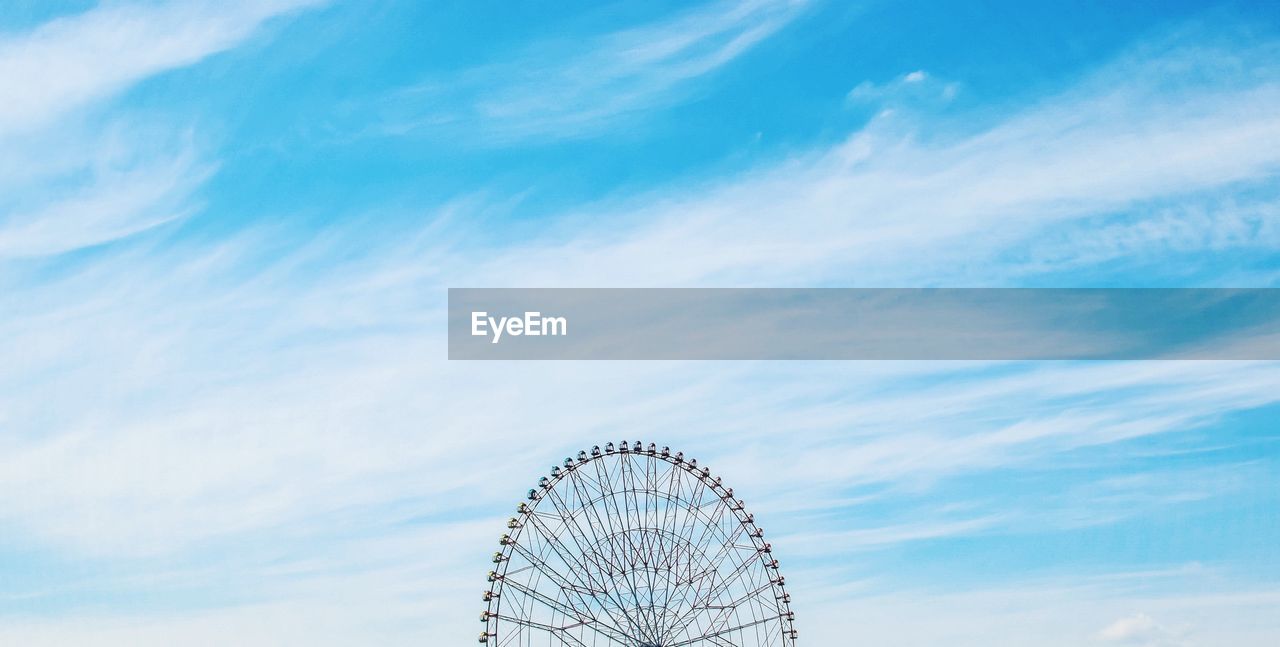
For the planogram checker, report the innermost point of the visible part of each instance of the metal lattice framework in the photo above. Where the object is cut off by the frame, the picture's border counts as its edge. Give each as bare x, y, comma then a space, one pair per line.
635, 546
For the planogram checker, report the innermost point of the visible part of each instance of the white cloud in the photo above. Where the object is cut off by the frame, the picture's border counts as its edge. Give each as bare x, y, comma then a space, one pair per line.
897, 207
121, 198
194, 383
73, 61
570, 90
826, 545
73, 177
917, 89
1142, 629
1062, 613
1214, 225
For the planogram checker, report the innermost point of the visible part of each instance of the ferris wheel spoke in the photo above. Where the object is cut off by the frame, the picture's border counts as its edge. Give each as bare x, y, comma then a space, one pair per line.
671, 512
552, 541
732, 578
665, 507
713, 530
643, 539
613, 543
748, 596
640, 537
580, 481
570, 523
709, 525
722, 632
618, 531
729, 540
562, 631
627, 498
728, 610
590, 588
721, 641
610, 536
651, 541
581, 615
585, 620
691, 593
683, 555
709, 579
701, 598
540, 565
542, 568
694, 506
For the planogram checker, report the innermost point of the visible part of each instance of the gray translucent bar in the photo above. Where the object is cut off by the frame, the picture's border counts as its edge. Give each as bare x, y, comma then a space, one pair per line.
845, 324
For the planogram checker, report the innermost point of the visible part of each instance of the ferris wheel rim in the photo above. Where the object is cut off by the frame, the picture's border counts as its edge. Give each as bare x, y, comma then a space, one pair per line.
527, 514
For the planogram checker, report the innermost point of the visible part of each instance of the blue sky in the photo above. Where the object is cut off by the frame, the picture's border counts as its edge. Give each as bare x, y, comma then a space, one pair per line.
226, 231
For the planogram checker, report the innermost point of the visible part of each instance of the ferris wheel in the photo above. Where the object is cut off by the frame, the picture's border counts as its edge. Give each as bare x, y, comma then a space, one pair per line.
635, 546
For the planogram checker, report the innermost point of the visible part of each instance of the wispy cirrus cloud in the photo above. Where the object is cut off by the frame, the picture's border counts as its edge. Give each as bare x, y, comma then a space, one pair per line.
917, 87
75, 175
1143, 130
70, 62
116, 189
1058, 613
1142, 629
565, 90
842, 213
